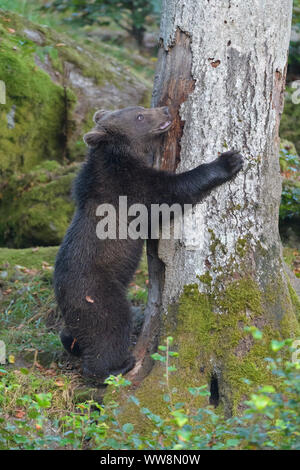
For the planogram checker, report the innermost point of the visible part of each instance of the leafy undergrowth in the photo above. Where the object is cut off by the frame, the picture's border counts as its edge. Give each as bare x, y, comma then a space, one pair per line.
289, 214
33, 417
290, 171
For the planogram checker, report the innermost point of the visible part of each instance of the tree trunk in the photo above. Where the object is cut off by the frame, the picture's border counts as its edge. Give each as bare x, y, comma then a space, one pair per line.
221, 69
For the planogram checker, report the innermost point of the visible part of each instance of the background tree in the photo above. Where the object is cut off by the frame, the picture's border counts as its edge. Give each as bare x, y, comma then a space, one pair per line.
222, 69
128, 14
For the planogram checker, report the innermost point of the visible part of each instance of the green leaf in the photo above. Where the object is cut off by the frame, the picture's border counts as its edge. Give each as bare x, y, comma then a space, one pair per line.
232, 442
199, 391
267, 389
184, 435
158, 357
170, 340
128, 428
134, 400
277, 345
260, 402
256, 333
43, 399
180, 418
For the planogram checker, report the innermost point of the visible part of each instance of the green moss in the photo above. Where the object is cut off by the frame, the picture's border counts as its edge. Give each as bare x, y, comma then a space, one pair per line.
209, 335
205, 278
37, 208
216, 243
215, 323
32, 120
241, 246
295, 301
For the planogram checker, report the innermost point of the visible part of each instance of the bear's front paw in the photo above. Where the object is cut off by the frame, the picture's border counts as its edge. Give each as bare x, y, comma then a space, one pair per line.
231, 162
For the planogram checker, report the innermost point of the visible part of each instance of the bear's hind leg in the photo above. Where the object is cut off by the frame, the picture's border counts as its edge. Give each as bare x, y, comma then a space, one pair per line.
127, 365
101, 373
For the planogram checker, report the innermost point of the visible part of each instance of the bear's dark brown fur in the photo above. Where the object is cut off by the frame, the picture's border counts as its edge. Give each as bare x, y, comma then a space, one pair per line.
92, 275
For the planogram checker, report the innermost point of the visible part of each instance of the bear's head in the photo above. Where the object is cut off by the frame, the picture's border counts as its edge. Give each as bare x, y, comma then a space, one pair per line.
135, 125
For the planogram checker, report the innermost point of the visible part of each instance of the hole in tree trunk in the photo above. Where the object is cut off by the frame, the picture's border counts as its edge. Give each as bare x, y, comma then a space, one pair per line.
214, 391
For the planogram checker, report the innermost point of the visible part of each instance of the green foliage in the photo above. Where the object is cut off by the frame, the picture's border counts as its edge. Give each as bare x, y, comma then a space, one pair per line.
289, 124
294, 55
128, 14
290, 200
270, 419
31, 9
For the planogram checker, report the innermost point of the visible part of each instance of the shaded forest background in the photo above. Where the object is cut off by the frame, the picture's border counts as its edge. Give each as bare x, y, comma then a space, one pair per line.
60, 61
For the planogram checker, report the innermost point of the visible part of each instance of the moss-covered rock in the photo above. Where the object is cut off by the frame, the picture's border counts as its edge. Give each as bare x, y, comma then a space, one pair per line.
36, 208
32, 120
53, 87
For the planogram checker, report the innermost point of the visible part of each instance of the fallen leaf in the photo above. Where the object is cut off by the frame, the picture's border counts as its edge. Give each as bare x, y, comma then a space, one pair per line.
20, 414
47, 266
11, 359
59, 383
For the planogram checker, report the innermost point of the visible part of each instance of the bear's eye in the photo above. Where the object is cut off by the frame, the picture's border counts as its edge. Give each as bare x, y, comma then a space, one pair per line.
140, 117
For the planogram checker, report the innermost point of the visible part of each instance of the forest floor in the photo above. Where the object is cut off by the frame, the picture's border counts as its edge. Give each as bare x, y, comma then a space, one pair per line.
30, 325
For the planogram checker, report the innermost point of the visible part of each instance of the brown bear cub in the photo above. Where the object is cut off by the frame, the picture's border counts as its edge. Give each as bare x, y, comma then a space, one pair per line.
91, 274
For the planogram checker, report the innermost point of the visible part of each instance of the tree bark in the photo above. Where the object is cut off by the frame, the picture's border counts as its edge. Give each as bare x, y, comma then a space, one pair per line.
221, 69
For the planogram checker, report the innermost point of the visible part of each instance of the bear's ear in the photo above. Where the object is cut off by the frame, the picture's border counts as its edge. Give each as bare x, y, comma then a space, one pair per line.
99, 115
93, 138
